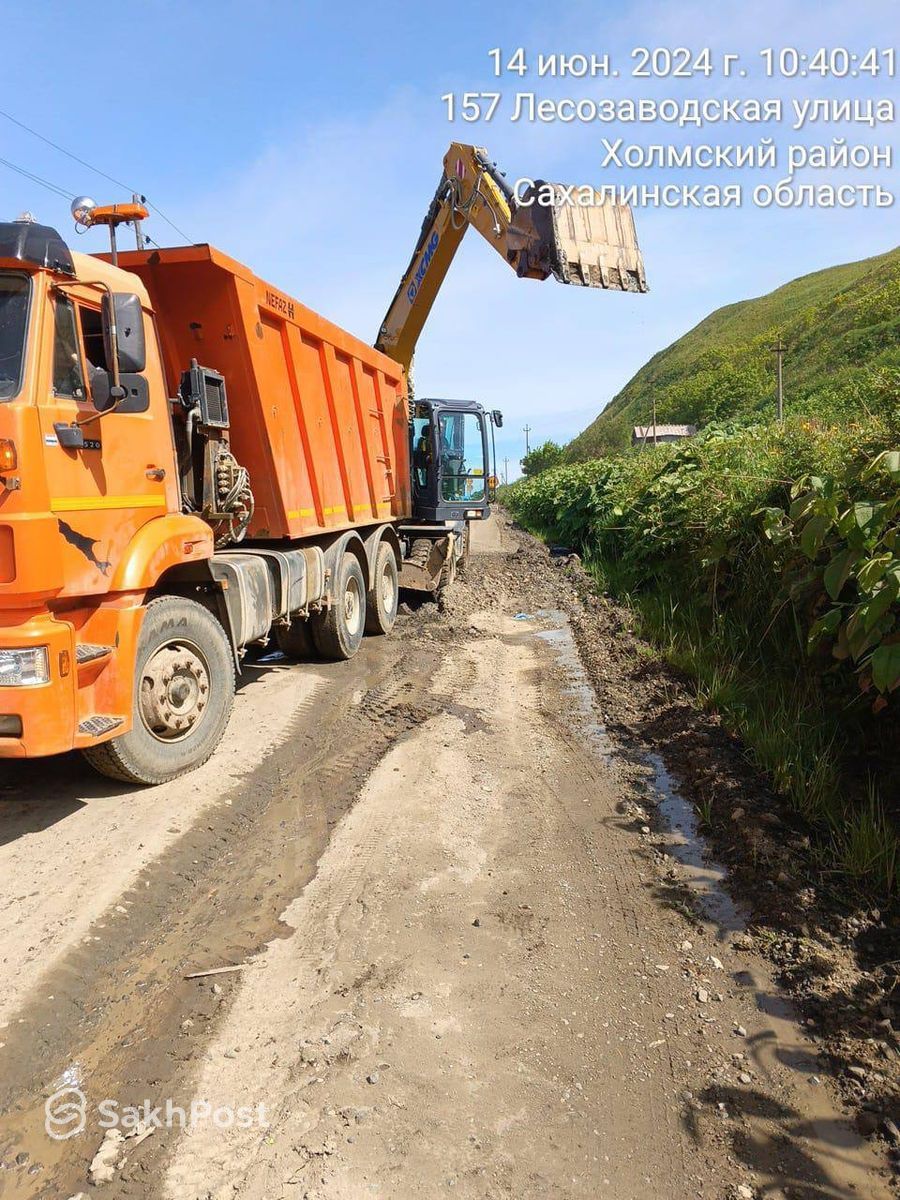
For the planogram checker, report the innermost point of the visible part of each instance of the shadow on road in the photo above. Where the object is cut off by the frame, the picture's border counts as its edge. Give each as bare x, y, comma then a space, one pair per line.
803, 1150
36, 794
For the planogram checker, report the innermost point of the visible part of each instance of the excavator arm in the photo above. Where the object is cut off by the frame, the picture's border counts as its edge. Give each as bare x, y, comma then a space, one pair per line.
590, 244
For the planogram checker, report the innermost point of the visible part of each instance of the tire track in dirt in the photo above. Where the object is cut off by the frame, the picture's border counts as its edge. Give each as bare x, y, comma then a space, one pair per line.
111, 1013
415, 1052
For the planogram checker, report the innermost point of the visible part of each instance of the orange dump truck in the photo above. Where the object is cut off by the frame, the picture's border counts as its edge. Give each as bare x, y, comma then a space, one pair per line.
190, 462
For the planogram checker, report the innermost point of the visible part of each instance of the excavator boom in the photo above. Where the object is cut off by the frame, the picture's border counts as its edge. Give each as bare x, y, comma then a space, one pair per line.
591, 243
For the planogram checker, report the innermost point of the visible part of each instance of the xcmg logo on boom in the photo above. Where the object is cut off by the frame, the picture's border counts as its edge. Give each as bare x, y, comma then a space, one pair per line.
413, 290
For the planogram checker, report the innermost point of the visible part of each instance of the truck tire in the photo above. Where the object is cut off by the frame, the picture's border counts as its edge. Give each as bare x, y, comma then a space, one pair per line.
384, 594
183, 695
295, 640
337, 631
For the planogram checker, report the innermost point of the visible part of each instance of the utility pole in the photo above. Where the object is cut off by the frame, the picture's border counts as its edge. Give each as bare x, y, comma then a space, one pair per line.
655, 443
527, 431
779, 352
506, 470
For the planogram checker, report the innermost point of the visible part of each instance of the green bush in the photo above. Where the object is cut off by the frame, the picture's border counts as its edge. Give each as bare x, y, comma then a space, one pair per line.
765, 559
542, 458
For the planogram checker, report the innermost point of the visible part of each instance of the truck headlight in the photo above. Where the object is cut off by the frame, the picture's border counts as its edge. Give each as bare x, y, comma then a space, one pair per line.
24, 668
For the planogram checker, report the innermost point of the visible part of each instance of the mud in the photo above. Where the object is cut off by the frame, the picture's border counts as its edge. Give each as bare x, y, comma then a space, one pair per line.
484, 949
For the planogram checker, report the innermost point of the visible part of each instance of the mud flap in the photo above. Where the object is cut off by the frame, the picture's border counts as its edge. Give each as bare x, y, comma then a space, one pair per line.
589, 245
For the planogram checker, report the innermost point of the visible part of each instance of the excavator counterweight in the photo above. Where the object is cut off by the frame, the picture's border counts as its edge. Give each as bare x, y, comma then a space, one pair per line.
574, 235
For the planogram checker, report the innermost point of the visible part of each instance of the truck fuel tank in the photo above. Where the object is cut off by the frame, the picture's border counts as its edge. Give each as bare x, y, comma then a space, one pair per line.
262, 585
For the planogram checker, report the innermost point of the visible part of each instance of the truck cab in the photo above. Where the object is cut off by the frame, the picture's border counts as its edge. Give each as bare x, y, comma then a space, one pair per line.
89, 504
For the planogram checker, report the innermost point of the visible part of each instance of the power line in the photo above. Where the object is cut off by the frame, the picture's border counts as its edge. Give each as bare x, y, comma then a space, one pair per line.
52, 187
62, 150
89, 166
159, 212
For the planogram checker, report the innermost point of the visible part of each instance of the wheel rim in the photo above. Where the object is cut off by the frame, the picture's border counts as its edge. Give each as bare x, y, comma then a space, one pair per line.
174, 691
353, 610
388, 589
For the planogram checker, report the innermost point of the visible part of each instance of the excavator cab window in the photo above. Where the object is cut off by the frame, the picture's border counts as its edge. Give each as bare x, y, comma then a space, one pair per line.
463, 473
449, 459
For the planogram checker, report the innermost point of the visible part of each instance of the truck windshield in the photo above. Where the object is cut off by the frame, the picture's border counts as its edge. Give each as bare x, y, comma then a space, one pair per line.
13, 315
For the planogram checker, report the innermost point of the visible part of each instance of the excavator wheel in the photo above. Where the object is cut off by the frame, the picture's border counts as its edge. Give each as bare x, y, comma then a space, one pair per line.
337, 631
183, 695
384, 594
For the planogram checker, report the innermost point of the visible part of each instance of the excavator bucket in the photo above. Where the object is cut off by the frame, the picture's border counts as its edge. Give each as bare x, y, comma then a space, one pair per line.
590, 245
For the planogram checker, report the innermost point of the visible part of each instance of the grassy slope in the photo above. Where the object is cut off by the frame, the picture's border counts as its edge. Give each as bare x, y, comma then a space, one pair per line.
836, 323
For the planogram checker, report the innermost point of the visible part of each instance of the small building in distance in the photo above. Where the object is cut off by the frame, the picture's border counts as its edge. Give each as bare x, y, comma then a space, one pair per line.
643, 435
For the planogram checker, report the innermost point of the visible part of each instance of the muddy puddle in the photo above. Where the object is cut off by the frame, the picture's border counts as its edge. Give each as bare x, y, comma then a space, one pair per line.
681, 834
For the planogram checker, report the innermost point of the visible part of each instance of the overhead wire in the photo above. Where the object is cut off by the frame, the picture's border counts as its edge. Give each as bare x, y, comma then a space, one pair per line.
52, 187
84, 163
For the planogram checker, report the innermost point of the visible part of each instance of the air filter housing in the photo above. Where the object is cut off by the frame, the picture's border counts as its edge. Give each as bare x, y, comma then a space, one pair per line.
204, 388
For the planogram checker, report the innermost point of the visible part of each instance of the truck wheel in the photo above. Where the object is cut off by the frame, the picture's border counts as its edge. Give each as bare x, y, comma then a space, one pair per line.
337, 631
384, 594
295, 640
183, 695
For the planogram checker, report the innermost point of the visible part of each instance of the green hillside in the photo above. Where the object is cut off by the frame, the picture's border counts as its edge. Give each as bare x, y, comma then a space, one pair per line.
838, 324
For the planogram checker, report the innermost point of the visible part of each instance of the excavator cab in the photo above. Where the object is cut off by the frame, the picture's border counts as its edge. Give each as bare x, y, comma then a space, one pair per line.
449, 460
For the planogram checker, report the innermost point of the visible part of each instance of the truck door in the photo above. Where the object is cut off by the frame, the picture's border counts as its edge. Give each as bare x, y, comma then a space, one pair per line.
123, 476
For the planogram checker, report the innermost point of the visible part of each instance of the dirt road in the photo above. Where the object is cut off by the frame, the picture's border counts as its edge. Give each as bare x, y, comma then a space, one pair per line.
466, 969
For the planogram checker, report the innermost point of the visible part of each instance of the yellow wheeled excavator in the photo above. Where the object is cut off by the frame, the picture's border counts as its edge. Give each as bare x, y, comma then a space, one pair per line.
541, 229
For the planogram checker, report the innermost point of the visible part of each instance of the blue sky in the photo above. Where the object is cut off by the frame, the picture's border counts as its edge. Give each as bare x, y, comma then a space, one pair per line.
307, 140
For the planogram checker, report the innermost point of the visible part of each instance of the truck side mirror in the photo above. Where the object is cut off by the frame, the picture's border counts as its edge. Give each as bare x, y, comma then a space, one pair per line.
123, 331
497, 418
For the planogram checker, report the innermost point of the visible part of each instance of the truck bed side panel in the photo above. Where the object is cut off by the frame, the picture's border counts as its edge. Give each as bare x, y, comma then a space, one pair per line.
318, 417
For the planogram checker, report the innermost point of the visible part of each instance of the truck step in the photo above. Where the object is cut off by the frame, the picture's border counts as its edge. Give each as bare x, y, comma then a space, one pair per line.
94, 726
88, 651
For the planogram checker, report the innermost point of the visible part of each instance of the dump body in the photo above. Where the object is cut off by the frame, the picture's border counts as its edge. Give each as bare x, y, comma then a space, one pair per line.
318, 418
